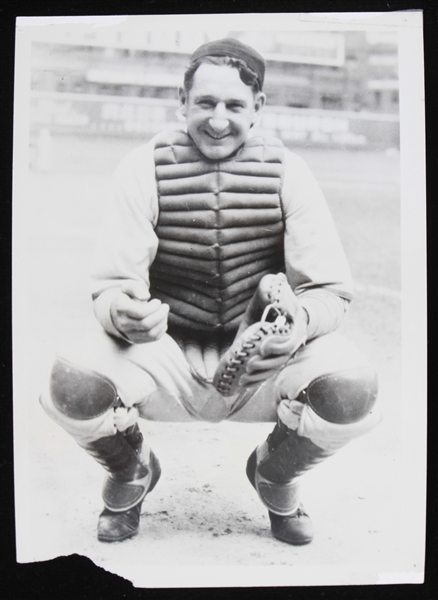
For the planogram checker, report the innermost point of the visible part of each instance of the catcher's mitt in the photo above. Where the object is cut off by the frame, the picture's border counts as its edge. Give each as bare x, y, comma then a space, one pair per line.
266, 346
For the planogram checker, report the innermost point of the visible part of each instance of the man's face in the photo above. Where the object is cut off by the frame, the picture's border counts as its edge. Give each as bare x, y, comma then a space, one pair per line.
220, 110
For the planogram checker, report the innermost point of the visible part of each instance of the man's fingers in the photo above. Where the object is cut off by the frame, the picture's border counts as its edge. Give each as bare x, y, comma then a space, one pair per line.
156, 318
257, 363
139, 336
151, 328
286, 345
253, 378
159, 330
277, 346
138, 310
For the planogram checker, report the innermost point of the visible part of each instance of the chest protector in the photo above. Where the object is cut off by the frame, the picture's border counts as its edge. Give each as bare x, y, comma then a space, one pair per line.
220, 229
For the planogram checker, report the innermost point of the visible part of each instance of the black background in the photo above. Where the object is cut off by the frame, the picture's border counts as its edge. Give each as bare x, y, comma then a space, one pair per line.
76, 576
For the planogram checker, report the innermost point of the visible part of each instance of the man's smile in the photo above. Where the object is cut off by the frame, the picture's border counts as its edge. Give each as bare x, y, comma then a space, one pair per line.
220, 110
216, 137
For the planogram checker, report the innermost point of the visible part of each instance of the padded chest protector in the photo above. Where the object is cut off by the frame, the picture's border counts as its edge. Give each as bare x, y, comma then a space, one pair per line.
220, 229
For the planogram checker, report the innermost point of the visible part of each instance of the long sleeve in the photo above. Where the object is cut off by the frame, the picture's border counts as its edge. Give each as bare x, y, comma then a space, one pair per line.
127, 244
316, 265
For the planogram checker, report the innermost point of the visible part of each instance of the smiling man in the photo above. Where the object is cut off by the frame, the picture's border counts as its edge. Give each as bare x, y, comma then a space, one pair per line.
219, 110
219, 282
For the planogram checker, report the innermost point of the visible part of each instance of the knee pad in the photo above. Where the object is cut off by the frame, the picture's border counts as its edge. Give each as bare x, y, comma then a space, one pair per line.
79, 393
343, 397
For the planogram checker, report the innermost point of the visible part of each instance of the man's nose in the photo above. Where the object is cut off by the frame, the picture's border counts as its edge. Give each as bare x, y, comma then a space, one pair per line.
219, 121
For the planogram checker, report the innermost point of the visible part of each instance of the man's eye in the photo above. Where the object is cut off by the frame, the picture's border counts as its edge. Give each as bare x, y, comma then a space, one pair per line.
234, 107
205, 104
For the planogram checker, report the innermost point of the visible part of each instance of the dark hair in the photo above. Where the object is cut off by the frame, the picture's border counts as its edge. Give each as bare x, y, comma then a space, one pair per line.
247, 75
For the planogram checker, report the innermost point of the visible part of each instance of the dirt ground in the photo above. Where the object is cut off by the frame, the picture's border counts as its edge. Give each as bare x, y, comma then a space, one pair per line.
203, 524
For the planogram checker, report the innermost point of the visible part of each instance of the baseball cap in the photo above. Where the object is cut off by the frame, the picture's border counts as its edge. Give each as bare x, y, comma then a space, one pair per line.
234, 49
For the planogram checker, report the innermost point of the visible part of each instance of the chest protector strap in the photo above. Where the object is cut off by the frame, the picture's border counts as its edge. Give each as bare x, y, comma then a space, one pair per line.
220, 229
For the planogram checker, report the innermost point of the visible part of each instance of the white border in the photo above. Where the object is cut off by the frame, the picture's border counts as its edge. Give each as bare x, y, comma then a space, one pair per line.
409, 27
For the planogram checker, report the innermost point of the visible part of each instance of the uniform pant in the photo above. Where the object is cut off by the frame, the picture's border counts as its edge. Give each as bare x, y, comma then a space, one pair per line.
157, 379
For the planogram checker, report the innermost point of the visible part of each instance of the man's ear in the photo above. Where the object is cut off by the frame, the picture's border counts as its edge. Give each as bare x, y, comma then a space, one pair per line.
259, 102
182, 101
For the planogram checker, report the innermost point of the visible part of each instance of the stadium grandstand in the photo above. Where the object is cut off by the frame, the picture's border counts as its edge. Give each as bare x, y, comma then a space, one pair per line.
323, 88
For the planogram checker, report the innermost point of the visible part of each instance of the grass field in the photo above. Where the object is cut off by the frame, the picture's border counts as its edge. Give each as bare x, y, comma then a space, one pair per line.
58, 223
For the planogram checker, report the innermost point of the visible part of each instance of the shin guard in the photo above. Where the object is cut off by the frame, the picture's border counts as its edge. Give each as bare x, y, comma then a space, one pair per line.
133, 470
275, 467
292, 457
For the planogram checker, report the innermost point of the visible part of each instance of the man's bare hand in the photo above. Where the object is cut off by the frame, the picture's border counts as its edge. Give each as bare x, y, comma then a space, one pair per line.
140, 319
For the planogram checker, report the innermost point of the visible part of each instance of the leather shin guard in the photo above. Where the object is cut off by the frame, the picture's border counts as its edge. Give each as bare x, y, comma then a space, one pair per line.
341, 399
274, 468
132, 474
290, 455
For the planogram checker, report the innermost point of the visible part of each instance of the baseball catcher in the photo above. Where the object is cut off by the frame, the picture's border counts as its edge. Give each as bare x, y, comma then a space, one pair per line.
218, 284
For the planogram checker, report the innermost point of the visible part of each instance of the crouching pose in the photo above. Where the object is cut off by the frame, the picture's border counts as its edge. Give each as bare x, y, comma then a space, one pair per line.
219, 282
